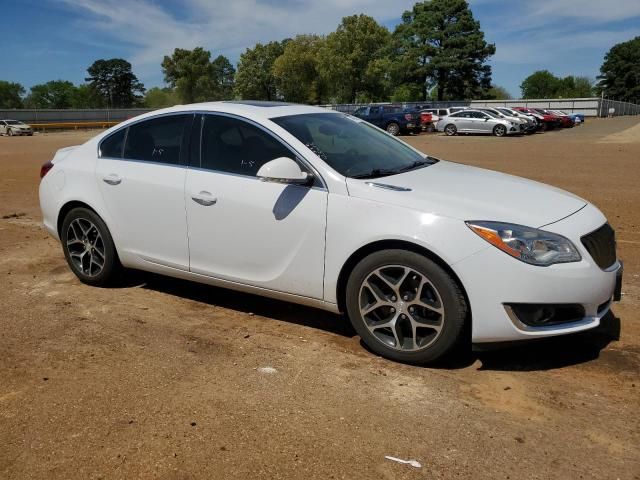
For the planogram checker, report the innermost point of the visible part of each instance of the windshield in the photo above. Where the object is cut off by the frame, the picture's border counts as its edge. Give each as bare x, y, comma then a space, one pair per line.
13, 122
351, 147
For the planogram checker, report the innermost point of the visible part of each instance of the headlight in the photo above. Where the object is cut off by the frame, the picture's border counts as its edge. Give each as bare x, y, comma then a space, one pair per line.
530, 245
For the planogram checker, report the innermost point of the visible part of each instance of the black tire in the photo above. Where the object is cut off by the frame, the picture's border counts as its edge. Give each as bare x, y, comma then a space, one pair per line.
453, 303
9, 132
450, 130
111, 268
393, 128
499, 130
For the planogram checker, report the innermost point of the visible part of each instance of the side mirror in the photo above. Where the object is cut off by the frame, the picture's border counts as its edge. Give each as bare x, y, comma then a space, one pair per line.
486, 119
283, 170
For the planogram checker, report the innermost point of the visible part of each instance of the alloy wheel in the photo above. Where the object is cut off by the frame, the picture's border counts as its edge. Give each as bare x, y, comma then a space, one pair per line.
401, 308
86, 247
393, 129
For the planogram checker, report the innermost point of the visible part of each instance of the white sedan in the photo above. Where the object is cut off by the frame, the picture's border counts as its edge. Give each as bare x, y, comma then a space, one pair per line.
320, 208
14, 127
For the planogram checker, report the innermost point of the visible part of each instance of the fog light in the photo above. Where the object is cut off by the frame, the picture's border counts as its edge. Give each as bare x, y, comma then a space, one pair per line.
541, 315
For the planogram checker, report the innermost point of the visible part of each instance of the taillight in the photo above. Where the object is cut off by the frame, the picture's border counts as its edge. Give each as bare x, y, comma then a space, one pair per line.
44, 169
408, 117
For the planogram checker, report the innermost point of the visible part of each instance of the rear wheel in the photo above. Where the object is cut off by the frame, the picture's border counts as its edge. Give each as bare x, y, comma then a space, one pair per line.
499, 130
89, 248
405, 307
393, 128
450, 130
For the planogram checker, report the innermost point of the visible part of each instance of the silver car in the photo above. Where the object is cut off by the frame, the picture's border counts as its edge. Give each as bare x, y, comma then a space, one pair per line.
14, 127
476, 121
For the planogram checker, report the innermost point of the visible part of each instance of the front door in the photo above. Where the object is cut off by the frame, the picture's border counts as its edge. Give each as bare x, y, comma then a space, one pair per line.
249, 231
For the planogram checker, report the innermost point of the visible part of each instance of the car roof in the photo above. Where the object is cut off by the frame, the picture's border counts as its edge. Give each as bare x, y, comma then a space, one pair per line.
249, 108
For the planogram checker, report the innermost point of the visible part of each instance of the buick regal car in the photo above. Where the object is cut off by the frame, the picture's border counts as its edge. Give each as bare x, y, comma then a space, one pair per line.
14, 127
324, 209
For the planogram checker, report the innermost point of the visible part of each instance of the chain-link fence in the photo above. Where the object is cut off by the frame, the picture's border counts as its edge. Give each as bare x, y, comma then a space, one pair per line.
590, 107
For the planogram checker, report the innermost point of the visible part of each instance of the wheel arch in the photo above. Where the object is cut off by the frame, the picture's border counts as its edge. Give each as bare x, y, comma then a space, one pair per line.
70, 205
362, 252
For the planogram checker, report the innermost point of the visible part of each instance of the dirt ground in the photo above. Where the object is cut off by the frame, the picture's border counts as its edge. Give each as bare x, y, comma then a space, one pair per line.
165, 379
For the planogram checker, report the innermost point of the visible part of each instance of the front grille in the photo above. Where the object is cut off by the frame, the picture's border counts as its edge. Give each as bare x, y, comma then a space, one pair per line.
601, 245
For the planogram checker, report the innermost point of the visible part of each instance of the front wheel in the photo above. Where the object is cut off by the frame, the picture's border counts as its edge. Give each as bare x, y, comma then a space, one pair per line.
499, 130
89, 248
393, 128
450, 130
10, 132
405, 307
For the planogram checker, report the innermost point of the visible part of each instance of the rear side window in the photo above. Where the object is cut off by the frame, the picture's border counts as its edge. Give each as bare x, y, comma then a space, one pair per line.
112, 145
235, 146
444, 113
156, 140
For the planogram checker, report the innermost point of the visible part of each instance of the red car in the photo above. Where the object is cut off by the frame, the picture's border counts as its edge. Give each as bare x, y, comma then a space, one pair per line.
549, 120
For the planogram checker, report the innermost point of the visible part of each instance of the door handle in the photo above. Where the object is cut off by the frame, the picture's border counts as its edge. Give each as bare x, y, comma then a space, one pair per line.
204, 198
112, 179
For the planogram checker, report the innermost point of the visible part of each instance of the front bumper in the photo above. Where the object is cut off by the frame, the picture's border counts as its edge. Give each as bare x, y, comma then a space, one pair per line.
494, 280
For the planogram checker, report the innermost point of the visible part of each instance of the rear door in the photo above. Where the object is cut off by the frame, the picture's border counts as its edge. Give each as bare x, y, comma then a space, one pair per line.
141, 173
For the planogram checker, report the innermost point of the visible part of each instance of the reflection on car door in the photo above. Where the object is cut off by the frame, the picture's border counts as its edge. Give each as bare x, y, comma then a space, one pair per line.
143, 188
249, 231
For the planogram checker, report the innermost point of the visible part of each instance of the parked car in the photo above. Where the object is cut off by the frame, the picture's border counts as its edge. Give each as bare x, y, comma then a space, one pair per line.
534, 124
317, 207
523, 124
443, 112
567, 120
476, 121
14, 127
549, 121
393, 119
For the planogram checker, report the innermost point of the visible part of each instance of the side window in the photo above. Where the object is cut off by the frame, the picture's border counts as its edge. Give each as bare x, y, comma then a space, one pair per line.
112, 145
443, 113
374, 110
156, 140
235, 146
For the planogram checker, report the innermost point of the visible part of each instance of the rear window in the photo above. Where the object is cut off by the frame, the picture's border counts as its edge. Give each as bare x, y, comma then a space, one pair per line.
156, 140
112, 145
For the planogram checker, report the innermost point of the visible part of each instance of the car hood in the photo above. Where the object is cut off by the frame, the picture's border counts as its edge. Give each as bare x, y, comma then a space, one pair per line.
469, 193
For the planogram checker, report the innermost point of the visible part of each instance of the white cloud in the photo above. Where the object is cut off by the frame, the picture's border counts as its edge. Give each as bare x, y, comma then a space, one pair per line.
592, 10
223, 27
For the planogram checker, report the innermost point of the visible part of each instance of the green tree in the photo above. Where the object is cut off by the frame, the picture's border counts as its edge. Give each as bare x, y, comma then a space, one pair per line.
497, 92
296, 70
544, 84
350, 60
157, 97
85, 97
115, 83
196, 78
574, 87
53, 94
541, 84
439, 44
224, 78
11, 94
255, 77
620, 73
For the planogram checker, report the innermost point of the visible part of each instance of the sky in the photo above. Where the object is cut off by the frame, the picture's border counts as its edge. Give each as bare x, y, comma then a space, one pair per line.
58, 39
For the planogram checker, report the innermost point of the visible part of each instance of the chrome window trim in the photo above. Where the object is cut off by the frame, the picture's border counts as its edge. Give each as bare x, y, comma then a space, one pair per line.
135, 122
298, 156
